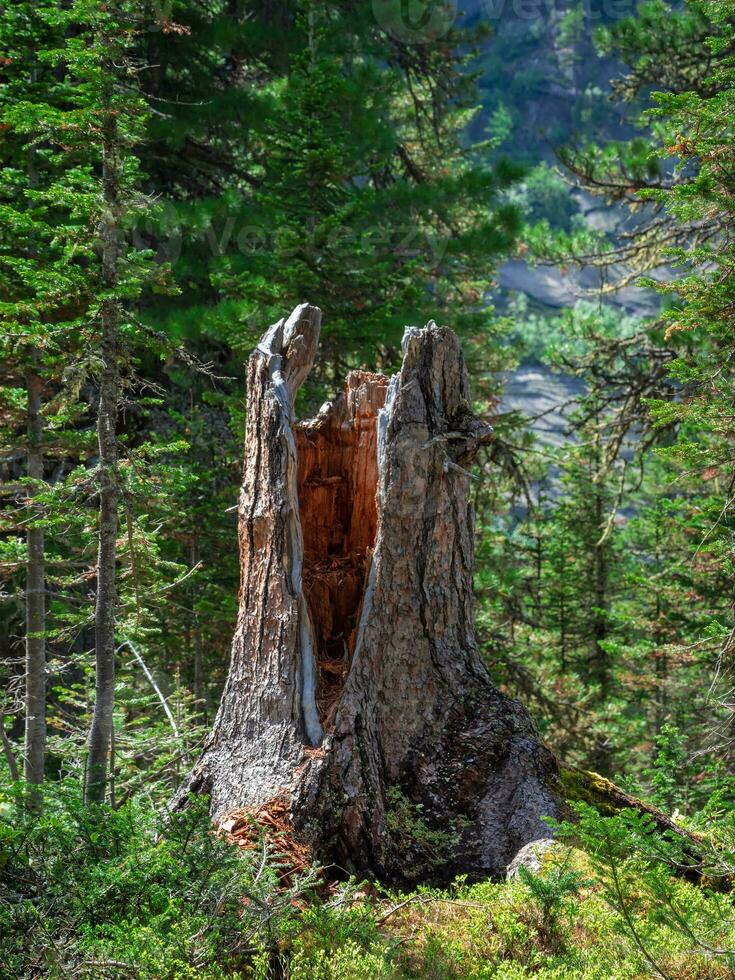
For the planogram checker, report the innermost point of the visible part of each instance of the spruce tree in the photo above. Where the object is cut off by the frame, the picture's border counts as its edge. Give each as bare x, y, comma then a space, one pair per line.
35, 275
300, 150
77, 284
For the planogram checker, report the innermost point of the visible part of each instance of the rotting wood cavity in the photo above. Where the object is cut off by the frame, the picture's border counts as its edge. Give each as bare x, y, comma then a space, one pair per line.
338, 480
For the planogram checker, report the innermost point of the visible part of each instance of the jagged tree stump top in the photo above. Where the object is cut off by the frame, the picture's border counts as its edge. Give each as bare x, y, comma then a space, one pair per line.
356, 690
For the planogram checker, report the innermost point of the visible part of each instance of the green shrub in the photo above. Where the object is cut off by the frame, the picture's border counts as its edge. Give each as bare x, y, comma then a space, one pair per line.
425, 848
553, 893
132, 892
639, 874
92, 890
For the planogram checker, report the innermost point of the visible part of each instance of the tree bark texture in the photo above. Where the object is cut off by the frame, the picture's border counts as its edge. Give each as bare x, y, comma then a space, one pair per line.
100, 734
35, 679
356, 690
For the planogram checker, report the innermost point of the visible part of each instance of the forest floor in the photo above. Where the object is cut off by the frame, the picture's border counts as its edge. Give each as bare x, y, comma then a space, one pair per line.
141, 893
495, 930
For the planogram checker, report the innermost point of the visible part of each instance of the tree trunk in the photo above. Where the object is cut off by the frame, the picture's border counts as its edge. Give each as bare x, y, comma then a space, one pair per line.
600, 673
356, 689
35, 680
34, 744
200, 701
100, 733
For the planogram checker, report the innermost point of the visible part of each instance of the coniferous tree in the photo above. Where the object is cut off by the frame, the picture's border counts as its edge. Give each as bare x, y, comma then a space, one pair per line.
320, 158
33, 278
79, 280
667, 384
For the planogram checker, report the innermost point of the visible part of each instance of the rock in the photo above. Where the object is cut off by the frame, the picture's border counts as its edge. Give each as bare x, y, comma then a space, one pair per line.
530, 856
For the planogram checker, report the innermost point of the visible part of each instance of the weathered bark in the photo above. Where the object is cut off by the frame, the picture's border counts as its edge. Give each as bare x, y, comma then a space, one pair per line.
268, 710
100, 734
356, 689
34, 749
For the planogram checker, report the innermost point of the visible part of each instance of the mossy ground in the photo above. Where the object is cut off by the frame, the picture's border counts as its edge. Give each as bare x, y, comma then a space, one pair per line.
494, 930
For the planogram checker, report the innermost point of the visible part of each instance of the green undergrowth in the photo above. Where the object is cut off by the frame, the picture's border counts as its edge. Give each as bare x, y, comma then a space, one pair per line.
137, 892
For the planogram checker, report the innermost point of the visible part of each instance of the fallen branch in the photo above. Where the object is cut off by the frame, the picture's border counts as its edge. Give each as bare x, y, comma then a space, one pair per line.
427, 900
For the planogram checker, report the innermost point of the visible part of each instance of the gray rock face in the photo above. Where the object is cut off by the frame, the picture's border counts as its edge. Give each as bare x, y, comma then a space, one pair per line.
545, 397
556, 289
530, 856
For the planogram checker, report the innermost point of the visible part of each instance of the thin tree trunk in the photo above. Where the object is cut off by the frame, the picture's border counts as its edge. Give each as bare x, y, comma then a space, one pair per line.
563, 610
601, 665
35, 680
662, 662
200, 701
8, 748
106, 600
356, 690
200, 704
34, 749
600, 656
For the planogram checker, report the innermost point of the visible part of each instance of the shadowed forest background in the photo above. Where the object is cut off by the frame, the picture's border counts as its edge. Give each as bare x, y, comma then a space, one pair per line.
553, 181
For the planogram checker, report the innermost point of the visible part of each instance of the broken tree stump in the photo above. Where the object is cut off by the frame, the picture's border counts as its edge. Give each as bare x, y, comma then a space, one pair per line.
356, 691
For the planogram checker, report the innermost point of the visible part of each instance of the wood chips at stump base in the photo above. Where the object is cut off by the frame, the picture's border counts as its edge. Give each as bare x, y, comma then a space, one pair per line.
245, 828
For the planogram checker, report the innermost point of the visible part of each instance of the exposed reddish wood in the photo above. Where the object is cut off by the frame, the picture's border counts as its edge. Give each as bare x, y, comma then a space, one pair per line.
338, 482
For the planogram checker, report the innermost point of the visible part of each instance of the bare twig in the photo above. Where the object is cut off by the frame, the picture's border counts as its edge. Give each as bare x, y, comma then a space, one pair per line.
154, 685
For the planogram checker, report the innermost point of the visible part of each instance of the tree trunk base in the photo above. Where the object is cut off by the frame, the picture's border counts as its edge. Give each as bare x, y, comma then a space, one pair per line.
356, 692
